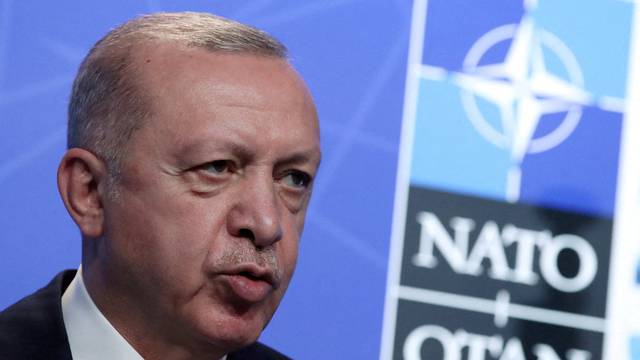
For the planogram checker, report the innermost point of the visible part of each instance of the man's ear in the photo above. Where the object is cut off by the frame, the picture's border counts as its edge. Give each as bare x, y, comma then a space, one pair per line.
81, 181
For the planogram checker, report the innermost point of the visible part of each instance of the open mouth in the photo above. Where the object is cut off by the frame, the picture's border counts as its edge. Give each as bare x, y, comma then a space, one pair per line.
250, 282
251, 276
248, 287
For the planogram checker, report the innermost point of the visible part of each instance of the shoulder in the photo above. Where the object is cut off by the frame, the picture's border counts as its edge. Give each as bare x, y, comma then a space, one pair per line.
257, 351
33, 326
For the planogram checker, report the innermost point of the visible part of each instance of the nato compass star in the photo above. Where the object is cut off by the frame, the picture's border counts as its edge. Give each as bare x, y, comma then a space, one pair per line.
524, 91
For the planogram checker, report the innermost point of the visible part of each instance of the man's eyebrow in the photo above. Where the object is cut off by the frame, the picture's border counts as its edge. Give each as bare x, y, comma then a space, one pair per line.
218, 144
312, 155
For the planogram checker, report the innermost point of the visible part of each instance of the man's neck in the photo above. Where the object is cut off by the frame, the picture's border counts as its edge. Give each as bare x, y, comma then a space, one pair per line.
140, 326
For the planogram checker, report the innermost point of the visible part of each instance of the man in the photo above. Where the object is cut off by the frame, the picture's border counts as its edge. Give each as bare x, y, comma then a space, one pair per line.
193, 145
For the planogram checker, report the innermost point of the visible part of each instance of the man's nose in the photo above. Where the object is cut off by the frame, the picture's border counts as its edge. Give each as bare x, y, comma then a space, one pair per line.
255, 214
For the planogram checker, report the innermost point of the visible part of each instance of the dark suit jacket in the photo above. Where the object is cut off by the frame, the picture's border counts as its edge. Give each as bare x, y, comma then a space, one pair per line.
33, 328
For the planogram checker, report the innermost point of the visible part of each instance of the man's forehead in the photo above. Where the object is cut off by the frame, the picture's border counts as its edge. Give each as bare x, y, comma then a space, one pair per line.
238, 92
243, 79
157, 60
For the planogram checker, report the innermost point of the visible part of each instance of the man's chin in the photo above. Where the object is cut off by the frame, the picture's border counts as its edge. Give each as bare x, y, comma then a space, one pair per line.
231, 332
226, 321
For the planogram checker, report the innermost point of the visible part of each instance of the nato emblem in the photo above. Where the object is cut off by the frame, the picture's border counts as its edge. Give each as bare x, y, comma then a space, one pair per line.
507, 180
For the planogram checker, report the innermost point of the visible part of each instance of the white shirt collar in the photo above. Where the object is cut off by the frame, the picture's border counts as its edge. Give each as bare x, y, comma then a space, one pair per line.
91, 336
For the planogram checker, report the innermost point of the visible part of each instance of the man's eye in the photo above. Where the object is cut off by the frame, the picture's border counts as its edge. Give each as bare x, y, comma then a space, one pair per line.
297, 179
217, 167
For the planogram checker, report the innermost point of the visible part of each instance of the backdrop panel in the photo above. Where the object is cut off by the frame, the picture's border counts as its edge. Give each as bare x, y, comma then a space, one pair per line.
515, 228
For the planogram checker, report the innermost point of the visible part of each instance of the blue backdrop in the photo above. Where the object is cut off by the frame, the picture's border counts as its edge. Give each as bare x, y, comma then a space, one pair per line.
352, 53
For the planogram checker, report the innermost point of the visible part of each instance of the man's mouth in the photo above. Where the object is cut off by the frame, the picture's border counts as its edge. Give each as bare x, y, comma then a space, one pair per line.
250, 283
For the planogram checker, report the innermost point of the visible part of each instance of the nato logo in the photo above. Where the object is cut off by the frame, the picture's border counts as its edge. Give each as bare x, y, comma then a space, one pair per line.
512, 121
522, 104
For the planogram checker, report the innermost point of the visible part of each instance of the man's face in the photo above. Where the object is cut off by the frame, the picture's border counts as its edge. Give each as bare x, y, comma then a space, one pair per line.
203, 237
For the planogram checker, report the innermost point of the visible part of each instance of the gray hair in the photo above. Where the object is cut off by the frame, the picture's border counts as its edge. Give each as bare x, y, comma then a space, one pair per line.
107, 102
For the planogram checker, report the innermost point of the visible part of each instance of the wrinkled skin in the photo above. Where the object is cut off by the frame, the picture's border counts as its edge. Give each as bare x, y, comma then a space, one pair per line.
197, 250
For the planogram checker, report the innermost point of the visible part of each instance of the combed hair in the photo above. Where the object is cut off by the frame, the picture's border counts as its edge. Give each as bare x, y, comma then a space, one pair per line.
108, 103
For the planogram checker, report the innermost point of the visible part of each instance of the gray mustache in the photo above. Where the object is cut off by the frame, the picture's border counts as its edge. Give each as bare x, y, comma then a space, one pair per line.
266, 258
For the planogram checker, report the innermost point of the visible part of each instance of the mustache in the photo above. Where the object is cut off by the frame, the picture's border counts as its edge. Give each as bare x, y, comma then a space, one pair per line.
238, 255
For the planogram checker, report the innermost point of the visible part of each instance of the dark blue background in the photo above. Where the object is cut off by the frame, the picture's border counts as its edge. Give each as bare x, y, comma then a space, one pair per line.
352, 54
